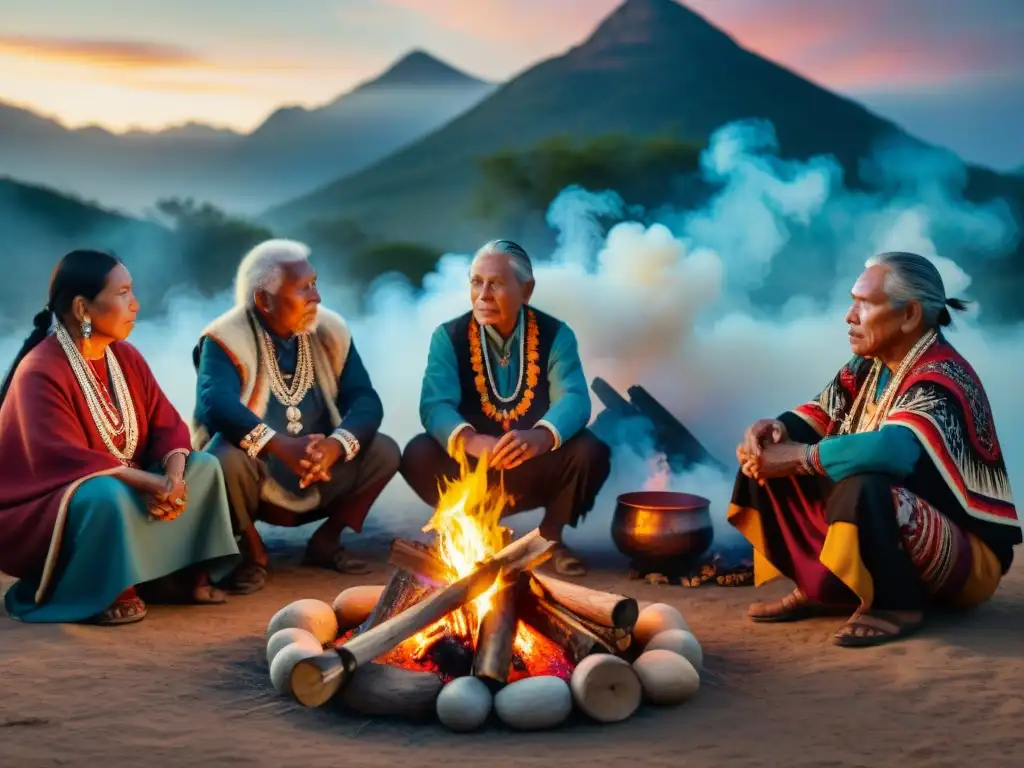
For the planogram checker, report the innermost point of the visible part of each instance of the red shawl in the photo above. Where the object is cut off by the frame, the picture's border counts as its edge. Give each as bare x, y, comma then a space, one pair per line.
944, 404
50, 445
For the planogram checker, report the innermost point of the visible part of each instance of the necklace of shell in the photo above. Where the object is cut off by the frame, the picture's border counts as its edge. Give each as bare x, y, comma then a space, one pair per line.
107, 420
289, 394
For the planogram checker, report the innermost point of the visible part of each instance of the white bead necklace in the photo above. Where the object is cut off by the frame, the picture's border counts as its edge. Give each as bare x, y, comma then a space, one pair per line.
102, 413
522, 363
870, 419
289, 394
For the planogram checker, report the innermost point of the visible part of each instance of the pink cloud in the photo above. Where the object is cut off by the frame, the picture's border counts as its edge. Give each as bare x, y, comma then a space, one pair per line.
535, 22
870, 44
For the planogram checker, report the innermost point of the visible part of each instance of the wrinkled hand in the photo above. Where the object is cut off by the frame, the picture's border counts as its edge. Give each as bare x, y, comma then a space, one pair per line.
476, 445
321, 455
515, 447
162, 494
293, 452
774, 460
763, 432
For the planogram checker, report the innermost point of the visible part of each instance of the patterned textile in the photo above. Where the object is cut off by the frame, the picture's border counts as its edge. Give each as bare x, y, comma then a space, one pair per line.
943, 402
940, 551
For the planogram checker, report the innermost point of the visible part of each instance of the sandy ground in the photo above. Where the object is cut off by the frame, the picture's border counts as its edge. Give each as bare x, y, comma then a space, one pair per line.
189, 687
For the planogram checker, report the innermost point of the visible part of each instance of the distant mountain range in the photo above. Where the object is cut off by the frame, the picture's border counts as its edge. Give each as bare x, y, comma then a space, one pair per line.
396, 156
651, 67
293, 151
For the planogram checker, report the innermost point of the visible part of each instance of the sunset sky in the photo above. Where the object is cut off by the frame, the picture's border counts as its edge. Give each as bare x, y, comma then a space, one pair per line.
951, 71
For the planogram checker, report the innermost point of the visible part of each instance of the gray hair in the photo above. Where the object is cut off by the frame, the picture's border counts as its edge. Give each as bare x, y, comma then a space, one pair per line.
914, 278
518, 258
262, 268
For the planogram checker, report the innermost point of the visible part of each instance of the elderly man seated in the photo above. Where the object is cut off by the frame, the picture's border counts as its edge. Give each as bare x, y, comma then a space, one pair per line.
285, 404
888, 493
504, 384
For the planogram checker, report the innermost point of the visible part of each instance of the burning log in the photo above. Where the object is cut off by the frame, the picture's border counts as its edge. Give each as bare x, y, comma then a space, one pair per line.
380, 689
604, 609
418, 558
559, 625
314, 681
497, 636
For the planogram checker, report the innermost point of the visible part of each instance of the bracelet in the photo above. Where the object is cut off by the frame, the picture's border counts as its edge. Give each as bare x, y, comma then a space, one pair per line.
183, 451
348, 441
254, 442
810, 463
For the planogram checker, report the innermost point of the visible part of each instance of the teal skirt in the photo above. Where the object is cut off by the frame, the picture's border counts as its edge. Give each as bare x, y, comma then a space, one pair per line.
111, 543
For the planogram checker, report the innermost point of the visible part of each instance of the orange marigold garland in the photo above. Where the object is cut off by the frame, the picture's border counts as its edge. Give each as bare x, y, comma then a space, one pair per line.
506, 416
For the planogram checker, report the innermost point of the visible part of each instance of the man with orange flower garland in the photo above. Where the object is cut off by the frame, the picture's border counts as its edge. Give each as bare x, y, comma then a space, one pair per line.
504, 383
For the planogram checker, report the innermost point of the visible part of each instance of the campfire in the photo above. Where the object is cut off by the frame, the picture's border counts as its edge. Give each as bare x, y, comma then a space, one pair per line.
466, 624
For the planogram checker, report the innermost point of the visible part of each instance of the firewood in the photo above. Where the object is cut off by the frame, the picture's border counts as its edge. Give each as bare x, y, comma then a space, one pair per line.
380, 689
316, 680
524, 553
404, 588
497, 635
613, 640
420, 559
561, 627
606, 688
605, 609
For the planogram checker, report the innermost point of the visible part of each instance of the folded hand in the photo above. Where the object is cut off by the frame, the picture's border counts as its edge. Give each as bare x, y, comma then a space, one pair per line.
322, 453
516, 447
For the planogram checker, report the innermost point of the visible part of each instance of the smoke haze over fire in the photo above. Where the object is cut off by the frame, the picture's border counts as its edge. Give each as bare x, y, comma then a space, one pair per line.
664, 302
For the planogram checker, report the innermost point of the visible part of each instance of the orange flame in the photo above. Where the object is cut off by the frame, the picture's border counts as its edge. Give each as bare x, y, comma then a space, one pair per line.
468, 529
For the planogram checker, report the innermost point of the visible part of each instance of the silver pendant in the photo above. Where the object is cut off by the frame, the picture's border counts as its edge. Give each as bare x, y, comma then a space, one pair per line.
294, 427
293, 413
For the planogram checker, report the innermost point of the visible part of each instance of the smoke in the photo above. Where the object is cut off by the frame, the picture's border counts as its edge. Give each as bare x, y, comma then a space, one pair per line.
663, 302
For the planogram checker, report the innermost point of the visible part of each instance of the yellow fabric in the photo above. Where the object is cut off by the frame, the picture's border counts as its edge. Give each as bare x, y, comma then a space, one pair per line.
841, 555
747, 521
984, 578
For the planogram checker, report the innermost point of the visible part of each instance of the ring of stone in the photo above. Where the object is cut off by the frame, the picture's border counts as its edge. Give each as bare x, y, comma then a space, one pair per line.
178, 502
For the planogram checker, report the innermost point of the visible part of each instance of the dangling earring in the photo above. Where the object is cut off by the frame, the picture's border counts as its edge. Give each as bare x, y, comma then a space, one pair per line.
86, 335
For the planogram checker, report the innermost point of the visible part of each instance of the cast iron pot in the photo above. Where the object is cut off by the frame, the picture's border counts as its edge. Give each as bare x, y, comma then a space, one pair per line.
662, 529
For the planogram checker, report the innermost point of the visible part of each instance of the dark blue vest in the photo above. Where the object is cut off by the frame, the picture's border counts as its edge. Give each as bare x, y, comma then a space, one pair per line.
470, 405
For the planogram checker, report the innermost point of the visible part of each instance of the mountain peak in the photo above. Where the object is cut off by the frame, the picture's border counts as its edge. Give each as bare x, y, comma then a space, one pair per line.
420, 68
643, 24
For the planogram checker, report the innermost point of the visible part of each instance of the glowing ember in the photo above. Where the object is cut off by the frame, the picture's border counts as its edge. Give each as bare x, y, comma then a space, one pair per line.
468, 529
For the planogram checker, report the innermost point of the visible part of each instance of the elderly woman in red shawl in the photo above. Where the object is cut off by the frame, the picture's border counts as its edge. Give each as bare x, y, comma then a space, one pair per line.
99, 493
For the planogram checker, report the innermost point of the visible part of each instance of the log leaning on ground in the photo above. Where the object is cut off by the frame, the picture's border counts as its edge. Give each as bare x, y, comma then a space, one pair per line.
497, 636
380, 689
602, 608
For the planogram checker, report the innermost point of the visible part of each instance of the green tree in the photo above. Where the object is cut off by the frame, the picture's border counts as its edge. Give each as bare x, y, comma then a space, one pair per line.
413, 260
209, 242
643, 170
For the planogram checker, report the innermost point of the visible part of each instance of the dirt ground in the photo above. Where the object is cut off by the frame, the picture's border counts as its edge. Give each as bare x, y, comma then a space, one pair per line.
189, 687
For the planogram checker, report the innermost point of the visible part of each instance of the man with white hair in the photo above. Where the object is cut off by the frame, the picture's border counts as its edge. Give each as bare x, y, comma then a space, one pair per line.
284, 402
888, 493
504, 383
